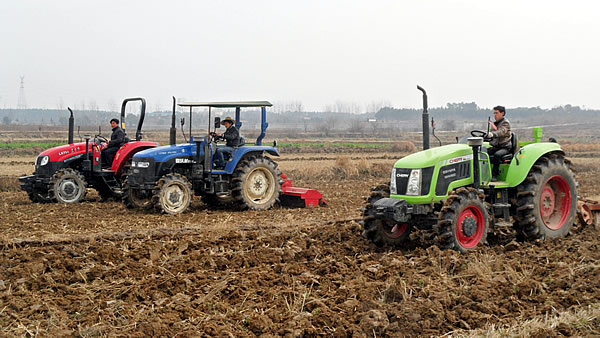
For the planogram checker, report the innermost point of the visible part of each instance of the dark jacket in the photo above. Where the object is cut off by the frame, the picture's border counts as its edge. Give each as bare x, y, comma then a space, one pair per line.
232, 136
501, 137
117, 139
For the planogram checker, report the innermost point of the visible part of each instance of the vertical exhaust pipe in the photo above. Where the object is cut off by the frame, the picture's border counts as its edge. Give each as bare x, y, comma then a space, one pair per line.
476, 143
173, 130
71, 127
425, 119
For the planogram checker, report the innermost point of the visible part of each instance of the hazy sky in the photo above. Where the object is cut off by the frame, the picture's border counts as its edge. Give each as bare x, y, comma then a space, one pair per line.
509, 52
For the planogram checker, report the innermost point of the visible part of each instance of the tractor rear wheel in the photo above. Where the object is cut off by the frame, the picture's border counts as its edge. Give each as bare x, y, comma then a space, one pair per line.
68, 186
256, 183
379, 231
173, 194
464, 220
135, 198
547, 200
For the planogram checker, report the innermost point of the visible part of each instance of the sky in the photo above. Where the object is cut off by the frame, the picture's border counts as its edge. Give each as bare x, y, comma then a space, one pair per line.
512, 52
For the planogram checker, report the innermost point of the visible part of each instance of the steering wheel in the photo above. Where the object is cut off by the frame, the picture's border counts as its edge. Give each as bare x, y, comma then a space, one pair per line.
99, 139
215, 137
480, 133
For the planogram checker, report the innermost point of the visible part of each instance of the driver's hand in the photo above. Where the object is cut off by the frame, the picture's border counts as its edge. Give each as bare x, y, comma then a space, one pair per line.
219, 134
489, 135
493, 125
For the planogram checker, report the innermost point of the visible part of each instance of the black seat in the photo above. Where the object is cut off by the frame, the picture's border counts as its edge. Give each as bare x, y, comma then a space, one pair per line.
514, 148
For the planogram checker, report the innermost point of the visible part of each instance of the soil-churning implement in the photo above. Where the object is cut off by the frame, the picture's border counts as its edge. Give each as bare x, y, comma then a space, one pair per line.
299, 197
589, 212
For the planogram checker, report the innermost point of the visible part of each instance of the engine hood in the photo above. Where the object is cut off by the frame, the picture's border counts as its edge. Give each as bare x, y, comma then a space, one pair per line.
433, 156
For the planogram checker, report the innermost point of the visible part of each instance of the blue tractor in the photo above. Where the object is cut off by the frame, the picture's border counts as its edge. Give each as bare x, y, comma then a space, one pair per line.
168, 177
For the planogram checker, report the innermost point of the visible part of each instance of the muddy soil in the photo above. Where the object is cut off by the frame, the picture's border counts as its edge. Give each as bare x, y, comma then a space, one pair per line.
98, 268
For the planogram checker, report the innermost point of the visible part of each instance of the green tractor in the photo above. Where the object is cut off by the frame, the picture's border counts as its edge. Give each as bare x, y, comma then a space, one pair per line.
449, 189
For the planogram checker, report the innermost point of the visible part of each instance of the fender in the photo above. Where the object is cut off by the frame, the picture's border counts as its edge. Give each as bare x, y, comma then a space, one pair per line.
240, 152
127, 151
527, 156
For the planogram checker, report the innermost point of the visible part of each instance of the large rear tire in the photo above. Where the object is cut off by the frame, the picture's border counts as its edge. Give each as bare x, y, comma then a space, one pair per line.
379, 231
68, 186
173, 194
547, 200
464, 220
256, 183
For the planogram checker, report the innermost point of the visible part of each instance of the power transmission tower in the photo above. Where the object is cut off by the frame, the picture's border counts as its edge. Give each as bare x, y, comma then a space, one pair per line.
22, 103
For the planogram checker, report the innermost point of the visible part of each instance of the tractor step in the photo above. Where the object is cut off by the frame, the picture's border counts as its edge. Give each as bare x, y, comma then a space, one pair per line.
501, 205
299, 197
503, 224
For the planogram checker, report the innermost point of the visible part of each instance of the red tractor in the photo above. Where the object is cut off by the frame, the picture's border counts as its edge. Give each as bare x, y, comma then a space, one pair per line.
63, 174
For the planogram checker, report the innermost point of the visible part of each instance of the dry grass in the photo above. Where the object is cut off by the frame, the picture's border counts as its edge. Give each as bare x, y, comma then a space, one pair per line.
342, 167
576, 322
404, 147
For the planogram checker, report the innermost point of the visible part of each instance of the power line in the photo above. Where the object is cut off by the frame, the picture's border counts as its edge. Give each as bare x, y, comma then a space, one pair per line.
22, 103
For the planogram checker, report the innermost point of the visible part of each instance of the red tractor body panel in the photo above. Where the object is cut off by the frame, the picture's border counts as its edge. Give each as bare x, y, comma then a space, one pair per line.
61, 153
127, 151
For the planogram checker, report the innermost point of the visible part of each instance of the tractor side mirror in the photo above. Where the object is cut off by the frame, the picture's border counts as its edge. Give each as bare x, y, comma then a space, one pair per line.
217, 122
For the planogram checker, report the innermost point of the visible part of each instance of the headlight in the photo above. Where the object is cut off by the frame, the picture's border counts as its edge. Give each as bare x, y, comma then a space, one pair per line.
143, 164
393, 190
414, 183
44, 160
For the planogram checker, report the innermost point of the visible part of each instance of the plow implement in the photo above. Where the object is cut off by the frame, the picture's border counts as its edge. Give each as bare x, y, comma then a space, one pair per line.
589, 212
295, 197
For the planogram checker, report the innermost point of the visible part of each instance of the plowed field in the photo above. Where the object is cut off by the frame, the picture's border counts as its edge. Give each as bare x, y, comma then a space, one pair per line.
97, 269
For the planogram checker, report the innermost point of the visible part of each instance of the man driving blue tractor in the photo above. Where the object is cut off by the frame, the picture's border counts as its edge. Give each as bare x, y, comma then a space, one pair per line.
232, 139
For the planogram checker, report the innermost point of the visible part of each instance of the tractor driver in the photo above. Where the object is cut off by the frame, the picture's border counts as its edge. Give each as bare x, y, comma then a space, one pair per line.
117, 138
232, 138
500, 139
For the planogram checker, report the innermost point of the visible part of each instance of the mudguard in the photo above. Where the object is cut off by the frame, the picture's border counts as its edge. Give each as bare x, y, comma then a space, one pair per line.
240, 152
127, 151
521, 164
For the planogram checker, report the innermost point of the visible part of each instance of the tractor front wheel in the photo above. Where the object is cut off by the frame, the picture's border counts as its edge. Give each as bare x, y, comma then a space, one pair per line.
547, 200
256, 183
173, 194
135, 198
68, 186
463, 221
380, 231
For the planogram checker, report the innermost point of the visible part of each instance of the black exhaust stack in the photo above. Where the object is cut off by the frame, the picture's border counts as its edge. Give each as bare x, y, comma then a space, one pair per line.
476, 143
71, 127
425, 119
173, 130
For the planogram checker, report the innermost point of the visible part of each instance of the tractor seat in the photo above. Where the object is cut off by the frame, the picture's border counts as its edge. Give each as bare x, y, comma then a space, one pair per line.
514, 147
242, 141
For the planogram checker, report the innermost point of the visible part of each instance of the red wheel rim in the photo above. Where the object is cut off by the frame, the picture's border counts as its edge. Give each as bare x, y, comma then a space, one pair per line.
467, 217
397, 230
555, 202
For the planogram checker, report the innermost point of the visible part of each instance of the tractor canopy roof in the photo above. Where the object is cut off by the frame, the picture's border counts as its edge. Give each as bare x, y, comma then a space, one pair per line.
232, 104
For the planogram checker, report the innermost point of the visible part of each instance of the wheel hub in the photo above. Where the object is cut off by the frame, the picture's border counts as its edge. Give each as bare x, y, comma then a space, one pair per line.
469, 226
555, 202
174, 197
68, 188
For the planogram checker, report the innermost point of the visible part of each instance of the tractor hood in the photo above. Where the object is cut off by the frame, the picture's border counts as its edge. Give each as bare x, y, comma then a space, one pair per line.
165, 152
63, 152
433, 156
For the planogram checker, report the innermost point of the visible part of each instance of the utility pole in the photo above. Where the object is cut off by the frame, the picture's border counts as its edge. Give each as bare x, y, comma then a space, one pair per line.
22, 103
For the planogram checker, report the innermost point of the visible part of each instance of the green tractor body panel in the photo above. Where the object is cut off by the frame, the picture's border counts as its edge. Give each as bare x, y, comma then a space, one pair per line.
444, 169
526, 158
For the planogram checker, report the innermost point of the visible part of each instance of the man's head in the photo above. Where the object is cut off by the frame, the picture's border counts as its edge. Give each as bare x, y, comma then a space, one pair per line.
499, 112
114, 123
228, 122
